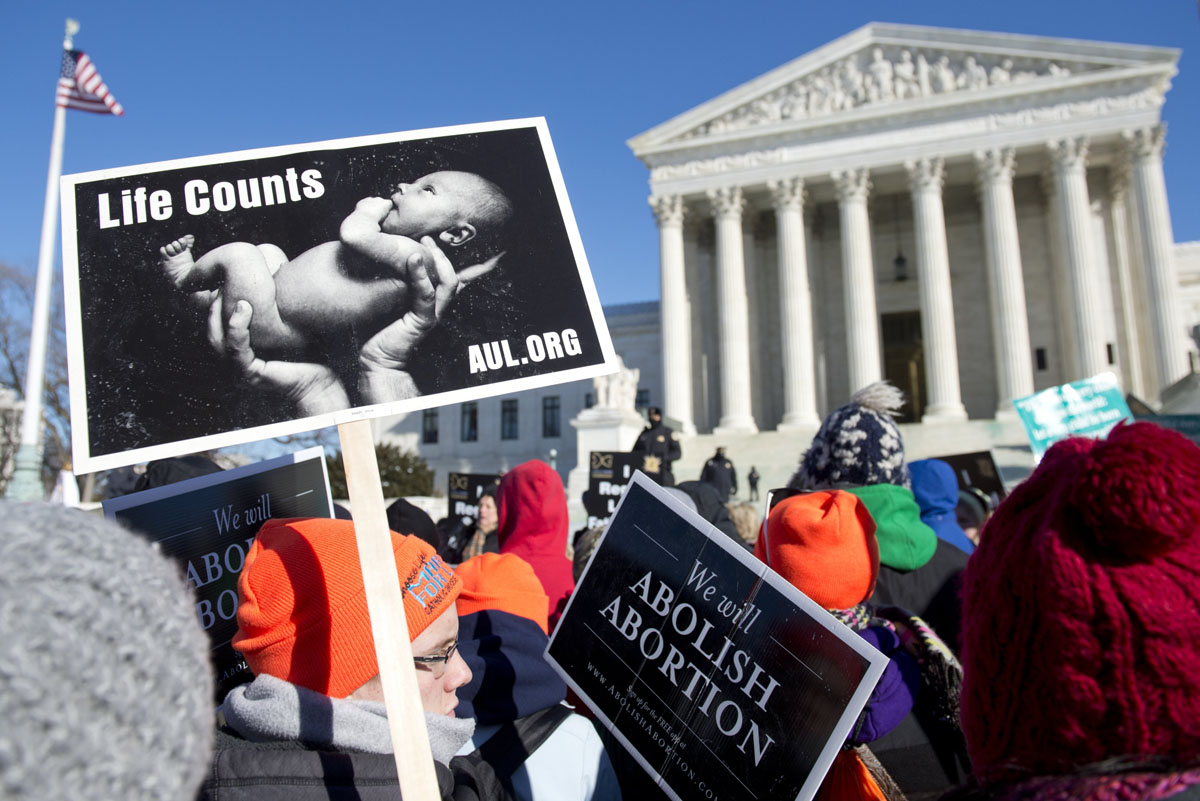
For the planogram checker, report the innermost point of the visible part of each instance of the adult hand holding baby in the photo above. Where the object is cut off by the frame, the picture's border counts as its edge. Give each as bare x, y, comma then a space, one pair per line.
312, 388
384, 359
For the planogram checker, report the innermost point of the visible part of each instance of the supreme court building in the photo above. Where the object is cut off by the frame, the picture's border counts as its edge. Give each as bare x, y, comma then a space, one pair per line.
973, 216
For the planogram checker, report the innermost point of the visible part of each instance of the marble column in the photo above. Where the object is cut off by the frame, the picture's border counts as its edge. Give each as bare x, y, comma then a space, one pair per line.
820, 314
1064, 327
795, 311
674, 313
1162, 283
1006, 281
858, 278
733, 316
1127, 335
1069, 157
937, 302
1149, 374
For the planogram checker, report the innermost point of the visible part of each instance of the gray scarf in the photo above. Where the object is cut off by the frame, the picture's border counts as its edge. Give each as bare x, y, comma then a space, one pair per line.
270, 709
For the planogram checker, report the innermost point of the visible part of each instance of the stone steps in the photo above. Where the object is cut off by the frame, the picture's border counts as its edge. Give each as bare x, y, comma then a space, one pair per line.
776, 454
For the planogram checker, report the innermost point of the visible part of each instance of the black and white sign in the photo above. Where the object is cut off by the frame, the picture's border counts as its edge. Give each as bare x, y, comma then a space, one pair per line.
978, 470
720, 677
463, 493
609, 473
308, 251
208, 524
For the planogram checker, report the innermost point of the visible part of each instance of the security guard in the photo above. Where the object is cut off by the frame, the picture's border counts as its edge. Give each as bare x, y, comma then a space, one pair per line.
660, 444
719, 471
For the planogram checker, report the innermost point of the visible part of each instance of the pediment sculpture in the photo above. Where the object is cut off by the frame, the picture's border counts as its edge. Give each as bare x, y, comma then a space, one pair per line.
879, 75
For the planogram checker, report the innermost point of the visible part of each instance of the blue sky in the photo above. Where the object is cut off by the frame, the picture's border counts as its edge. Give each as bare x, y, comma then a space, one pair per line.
217, 76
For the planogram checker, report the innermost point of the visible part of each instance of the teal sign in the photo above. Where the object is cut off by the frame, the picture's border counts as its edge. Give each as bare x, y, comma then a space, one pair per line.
1186, 424
1087, 408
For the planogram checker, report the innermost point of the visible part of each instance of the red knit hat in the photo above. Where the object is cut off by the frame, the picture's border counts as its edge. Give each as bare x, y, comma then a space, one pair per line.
505, 582
824, 544
302, 608
1081, 621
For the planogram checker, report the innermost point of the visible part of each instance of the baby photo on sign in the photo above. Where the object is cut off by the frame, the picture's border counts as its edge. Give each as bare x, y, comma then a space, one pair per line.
219, 300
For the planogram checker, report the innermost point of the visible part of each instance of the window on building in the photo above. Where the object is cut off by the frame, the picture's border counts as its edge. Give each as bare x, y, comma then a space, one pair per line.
1039, 356
589, 400
1112, 355
429, 426
470, 422
508, 419
551, 417
642, 401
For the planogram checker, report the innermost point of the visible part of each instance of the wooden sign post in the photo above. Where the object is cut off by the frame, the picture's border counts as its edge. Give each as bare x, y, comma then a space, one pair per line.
385, 601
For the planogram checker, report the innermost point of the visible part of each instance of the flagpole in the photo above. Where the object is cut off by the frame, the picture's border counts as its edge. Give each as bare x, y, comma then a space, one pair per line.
26, 481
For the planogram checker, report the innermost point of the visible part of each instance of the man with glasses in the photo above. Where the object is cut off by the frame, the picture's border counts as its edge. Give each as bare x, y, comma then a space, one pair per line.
312, 724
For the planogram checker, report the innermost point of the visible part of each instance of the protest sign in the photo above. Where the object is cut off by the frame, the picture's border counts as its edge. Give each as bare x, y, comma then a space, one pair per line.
1186, 424
609, 473
319, 240
978, 470
208, 524
1087, 408
722, 679
463, 493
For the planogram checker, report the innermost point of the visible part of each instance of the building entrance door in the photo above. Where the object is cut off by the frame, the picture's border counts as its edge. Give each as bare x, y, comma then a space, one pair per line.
904, 361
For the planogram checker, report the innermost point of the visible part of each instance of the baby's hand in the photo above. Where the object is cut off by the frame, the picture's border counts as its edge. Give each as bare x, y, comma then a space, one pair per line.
374, 207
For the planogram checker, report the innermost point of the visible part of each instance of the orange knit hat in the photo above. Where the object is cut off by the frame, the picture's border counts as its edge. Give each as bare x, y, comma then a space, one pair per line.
824, 544
505, 582
302, 608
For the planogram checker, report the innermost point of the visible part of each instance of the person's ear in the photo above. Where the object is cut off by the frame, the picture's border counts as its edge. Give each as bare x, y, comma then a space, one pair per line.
459, 235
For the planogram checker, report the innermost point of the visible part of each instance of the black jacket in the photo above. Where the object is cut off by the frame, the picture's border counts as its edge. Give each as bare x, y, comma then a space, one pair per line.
710, 506
930, 592
924, 756
289, 771
662, 443
720, 472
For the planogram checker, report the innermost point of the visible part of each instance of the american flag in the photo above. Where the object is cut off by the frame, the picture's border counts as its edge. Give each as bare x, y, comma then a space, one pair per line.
80, 86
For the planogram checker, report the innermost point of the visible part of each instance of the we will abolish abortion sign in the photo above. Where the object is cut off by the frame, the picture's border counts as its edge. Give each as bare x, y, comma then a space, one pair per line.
208, 524
723, 680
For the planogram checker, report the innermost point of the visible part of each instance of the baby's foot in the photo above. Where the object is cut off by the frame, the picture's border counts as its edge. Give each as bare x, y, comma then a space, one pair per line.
177, 259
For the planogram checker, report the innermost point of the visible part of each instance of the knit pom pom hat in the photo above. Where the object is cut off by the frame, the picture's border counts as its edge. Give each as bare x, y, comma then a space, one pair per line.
505, 582
105, 683
858, 444
823, 543
1081, 623
302, 607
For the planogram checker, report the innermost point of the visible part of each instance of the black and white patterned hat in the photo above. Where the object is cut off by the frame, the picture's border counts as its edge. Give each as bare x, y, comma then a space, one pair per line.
858, 444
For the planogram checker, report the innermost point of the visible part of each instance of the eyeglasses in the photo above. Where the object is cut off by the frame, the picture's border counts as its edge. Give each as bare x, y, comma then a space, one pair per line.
774, 497
439, 662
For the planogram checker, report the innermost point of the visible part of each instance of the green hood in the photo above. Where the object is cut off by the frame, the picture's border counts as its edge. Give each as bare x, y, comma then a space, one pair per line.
905, 543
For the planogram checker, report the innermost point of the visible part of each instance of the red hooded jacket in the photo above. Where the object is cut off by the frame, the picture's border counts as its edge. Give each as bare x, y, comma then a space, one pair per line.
532, 508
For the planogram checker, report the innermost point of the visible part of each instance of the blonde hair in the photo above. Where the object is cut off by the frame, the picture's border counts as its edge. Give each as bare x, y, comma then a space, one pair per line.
746, 519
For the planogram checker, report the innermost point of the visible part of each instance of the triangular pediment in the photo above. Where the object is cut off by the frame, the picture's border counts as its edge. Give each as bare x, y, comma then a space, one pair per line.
887, 67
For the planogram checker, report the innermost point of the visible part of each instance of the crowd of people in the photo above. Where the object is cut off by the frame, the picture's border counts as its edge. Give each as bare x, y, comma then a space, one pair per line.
1055, 654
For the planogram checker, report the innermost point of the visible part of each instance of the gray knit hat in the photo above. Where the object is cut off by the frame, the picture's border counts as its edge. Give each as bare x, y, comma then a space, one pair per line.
858, 444
105, 683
